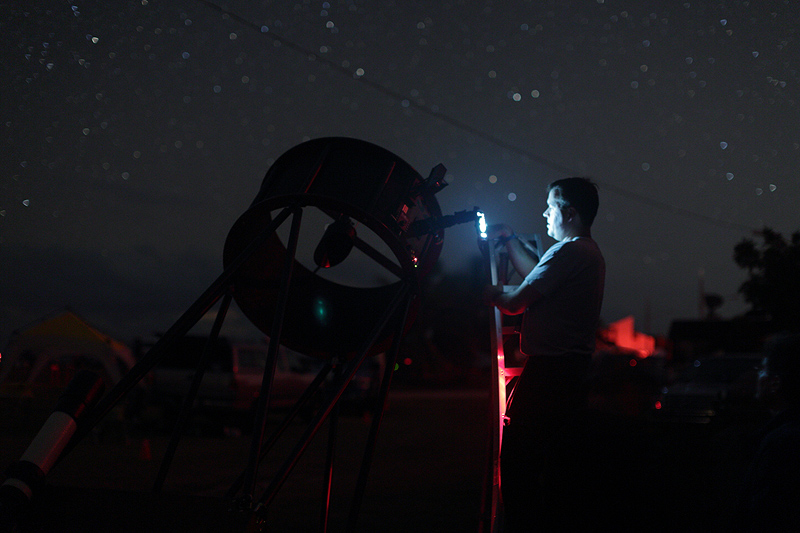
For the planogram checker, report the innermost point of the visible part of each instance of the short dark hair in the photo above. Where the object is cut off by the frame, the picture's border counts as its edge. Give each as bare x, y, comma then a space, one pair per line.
782, 354
580, 193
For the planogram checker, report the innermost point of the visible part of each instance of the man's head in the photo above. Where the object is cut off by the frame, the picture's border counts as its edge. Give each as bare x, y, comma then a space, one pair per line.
571, 207
779, 377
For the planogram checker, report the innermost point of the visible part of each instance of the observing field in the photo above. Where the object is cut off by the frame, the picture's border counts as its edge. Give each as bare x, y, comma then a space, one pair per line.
426, 475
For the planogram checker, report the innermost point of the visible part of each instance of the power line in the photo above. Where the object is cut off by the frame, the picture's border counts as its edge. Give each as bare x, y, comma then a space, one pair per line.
473, 130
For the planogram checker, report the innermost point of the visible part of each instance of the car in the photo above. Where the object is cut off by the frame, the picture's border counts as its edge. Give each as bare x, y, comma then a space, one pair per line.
232, 382
711, 390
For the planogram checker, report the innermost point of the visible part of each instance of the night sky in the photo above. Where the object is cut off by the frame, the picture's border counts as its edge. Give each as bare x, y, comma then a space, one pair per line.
136, 133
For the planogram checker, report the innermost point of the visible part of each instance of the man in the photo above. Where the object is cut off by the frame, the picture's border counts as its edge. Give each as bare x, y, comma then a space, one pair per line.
560, 296
771, 490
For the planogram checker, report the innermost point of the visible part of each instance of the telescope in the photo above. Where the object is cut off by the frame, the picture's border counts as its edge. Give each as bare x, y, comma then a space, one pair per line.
328, 261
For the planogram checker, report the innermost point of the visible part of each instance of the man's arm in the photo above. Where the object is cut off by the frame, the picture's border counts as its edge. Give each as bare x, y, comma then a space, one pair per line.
521, 260
513, 302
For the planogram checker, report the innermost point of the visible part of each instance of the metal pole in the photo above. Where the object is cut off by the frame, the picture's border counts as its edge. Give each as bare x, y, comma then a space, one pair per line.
302, 401
332, 430
272, 355
376, 422
323, 413
491, 504
188, 401
186, 322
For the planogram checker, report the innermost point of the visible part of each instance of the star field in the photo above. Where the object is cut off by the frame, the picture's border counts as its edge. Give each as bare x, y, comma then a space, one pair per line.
135, 134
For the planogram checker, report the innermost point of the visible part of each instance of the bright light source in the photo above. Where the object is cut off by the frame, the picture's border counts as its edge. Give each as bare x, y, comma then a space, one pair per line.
482, 225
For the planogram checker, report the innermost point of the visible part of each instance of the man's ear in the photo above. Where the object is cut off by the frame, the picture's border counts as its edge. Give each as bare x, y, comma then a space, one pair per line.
572, 214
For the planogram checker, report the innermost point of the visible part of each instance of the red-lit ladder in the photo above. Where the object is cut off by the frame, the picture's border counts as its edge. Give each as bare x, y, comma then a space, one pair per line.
491, 515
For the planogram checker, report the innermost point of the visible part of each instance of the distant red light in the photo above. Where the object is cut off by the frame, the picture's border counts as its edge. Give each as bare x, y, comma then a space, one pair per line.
658, 405
407, 361
633, 362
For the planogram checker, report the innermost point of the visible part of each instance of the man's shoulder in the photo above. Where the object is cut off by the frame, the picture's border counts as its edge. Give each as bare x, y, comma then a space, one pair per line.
572, 254
579, 245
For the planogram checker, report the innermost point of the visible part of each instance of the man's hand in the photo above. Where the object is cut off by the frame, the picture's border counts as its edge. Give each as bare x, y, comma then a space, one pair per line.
495, 231
490, 293
513, 302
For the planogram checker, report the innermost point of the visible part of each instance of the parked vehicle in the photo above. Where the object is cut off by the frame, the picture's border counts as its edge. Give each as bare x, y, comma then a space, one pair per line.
712, 389
232, 381
362, 391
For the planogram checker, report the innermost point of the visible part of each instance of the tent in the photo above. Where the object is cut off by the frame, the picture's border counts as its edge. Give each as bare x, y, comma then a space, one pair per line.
62, 340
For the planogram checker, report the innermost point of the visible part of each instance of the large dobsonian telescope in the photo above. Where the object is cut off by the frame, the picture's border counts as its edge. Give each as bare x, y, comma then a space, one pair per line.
326, 261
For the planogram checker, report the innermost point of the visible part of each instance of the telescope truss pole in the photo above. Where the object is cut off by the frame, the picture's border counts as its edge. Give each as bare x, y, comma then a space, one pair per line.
188, 401
182, 326
402, 295
272, 356
383, 395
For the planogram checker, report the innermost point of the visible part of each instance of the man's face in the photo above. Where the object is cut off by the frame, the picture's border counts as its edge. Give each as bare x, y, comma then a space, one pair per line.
555, 216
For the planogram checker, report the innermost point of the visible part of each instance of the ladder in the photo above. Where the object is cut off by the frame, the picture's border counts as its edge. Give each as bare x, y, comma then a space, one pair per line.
501, 377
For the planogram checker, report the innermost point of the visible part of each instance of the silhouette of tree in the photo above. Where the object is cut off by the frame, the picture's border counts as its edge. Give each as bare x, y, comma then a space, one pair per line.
773, 285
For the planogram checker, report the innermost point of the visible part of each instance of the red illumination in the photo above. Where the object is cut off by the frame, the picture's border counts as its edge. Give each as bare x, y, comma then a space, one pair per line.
632, 362
658, 405
623, 334
407, 361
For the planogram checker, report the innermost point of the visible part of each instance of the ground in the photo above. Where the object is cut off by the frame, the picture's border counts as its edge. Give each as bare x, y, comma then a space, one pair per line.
426, 475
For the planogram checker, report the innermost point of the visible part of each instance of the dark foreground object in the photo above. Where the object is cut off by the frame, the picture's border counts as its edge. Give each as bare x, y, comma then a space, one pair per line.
68, 510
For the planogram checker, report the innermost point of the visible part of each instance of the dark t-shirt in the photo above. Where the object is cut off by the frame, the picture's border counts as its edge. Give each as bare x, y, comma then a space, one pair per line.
570, 277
